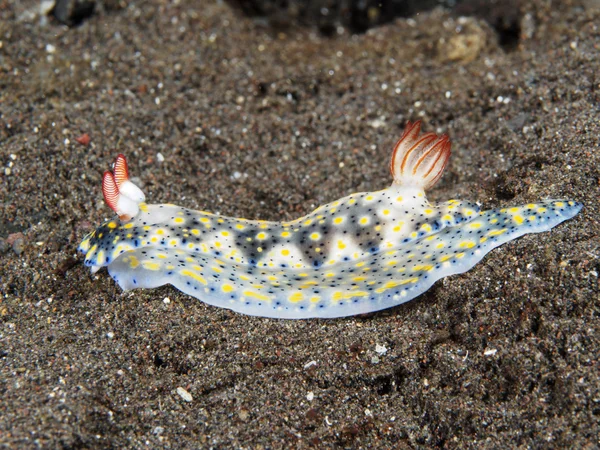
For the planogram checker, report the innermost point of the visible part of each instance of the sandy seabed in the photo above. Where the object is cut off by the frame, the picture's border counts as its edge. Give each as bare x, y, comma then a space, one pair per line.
216, 111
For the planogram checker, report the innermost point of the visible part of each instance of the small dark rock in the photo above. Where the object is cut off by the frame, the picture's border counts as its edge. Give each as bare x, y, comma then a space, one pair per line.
73, 12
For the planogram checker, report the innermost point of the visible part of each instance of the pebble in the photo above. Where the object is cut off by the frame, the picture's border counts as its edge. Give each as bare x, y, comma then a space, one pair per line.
185, 395
17, 241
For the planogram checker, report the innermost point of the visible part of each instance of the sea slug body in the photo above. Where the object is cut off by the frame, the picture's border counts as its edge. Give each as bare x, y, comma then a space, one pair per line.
362, 253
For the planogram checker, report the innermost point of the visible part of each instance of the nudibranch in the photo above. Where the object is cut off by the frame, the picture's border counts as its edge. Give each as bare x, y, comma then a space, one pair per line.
363, 253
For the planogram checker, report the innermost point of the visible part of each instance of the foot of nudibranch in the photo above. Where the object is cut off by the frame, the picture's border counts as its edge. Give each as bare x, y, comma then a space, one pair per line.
419, 161
120, 194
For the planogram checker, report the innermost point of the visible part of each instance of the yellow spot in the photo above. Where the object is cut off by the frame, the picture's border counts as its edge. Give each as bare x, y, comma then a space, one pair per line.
352, 201
338, 220
497, 232
315, 299
468, 212
447, 217
307, 222
445, 258
173, 242
428, 211
245, 277
259, 249
217, 269
160, 231
329, 275
285, 234
364, 220
518, 219
256, 295
369, 198
360, 264
315, 236
151, 265
493, 220
100, 256
143, 207
296, 297
531, 218
460, 255
475, 225
161, 256
399, 199
542, 209
559, 204
332, 210
426, 267
127, 226
225, 233
261, 236
426, 227
285, 252
204, 220
386, 212
414, 234
397, 228
467, 244
338, 295
393, 284
483, 239
263, 226
378, 228
195, 276
530, 205
179, 220
514, 210
154, 239
227, 288
133, 262
392, 262
239, 226
341, 245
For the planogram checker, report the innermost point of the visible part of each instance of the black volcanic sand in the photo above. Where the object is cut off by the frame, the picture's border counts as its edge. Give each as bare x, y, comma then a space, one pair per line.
218, 112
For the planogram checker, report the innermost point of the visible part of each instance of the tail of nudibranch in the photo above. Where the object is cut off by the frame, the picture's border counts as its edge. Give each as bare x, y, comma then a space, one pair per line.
120, 194
419, 160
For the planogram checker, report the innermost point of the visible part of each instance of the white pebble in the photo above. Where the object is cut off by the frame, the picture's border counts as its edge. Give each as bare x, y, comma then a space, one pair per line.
160, 157
309, 365
310, 396
166, 300
50, 48
185, 395
490, 352
381, 349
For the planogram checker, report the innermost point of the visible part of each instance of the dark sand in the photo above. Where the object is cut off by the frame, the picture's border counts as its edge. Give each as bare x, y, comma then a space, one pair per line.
504, 355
